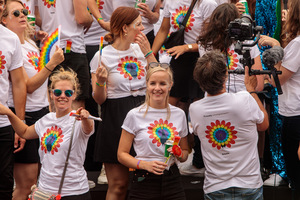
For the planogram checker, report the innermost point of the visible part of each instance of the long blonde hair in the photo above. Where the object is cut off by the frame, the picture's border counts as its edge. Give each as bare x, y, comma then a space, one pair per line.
150, 72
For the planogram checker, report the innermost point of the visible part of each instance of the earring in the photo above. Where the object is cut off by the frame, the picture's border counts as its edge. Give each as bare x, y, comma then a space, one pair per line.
125, 34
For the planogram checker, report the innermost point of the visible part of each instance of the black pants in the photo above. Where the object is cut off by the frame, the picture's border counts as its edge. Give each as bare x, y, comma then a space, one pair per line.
7, 162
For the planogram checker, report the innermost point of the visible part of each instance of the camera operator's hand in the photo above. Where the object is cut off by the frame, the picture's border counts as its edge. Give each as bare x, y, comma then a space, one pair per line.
267, 41
250, 81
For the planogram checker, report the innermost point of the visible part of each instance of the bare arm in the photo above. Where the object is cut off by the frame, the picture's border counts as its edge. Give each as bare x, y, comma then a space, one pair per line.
87, 124
251, 84
99, 84
260, 78
95, 11
82, 16
20, 128
38, 19
37, 80
161, 35
151, 15
126, 159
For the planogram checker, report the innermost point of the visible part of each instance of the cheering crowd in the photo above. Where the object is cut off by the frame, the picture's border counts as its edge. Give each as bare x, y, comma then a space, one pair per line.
154, 95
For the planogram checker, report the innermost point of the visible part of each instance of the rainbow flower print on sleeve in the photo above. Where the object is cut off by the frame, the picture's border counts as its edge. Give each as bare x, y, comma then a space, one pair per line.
178, 17
33, 58
49, 3
50, 142
221, 135
232, 60
161, 131
2, 62
100, 4
130, 67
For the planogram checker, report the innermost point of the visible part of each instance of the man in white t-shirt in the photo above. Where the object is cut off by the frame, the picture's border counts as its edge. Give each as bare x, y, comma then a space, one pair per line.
11, 62
227, 124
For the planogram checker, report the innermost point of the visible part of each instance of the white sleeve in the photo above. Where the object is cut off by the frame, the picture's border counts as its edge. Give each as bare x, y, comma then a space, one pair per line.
166, 12
129, 122
17, 58
291, 57
94, 63
256, 114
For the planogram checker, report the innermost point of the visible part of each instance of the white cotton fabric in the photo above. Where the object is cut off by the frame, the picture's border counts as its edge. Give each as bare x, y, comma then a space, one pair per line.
53, 158
10, 59
235, 165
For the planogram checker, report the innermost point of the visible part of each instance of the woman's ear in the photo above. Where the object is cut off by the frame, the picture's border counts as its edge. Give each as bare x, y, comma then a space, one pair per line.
3, 21
124, 28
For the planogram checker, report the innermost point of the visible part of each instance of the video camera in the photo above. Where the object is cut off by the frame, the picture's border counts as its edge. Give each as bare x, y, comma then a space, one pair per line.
244, 28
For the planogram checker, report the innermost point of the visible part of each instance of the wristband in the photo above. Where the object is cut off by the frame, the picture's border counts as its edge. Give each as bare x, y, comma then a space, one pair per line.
253, 92
148, 54
48, 68
138, 164
101, 85
100, 18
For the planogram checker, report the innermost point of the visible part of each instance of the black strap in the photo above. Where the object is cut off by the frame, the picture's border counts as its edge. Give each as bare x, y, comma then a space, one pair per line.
187, 16
67, 159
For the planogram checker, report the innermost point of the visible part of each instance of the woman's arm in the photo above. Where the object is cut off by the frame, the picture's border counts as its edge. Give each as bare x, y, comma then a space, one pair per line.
161, 35
151, 15
184, 149
95, 11
87, 124
38, 79
126, 159
24, 131
260, 78
181, 49
142, 41
99, 84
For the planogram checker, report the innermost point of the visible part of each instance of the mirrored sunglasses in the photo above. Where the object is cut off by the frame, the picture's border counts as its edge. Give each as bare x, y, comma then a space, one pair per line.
58, 92
17, 13
156, 64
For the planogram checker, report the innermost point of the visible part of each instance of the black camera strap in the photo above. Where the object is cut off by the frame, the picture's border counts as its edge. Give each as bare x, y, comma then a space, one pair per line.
187, 16
285, 2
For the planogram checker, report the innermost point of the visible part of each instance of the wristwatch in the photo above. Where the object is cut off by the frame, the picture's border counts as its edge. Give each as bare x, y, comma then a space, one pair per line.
190, 46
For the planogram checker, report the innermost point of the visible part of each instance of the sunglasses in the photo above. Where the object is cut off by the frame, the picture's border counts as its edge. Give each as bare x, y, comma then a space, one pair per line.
58, 92
156, 64
17, 13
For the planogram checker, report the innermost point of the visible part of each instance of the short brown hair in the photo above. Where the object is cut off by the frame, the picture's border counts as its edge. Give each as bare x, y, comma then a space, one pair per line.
210, 72
120, 17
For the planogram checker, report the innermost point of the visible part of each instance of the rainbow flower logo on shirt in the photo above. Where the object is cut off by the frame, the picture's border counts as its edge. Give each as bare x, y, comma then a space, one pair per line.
34, 60
178, 17
49, 3
232, 60
29, 12
50, 142
100, 4
2, 62
131, 68
161, 131
221, 134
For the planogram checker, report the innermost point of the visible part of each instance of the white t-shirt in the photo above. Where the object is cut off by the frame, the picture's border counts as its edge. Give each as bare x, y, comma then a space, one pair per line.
92, 37
219, 2
288, 102
126, 71
47, 14
38, 99
10, 59
29, 5
152, 130
177, 9
235, 82
54, 134
131, 3
226, 127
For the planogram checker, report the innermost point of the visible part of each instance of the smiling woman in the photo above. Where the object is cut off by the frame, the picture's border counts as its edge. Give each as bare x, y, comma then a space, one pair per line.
149, 128
26, 161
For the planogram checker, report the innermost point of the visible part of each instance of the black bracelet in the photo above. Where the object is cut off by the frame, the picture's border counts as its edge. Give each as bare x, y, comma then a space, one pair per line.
253, 92
48, 69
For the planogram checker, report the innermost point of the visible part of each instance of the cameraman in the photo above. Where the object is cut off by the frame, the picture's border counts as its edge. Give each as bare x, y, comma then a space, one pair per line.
215, 36
227, 124
288, 102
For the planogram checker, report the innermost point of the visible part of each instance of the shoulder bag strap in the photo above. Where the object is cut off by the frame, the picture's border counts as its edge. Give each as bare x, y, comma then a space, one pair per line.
67, 159
187, 16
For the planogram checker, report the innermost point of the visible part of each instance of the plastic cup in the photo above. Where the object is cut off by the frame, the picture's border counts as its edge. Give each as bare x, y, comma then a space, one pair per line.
168, 144
31, 18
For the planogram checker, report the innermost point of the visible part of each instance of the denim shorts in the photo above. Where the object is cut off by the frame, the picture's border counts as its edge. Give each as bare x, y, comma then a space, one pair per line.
235, 193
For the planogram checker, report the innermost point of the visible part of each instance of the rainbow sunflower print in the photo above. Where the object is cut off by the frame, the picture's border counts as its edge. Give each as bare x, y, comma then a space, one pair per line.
178, 17
131, 68
161, 131
2, 62
50, 142
221, 135
49, 3
33, 58
232, 60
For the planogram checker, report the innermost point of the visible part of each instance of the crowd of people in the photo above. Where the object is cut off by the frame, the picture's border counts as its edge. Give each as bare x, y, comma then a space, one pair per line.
152, 112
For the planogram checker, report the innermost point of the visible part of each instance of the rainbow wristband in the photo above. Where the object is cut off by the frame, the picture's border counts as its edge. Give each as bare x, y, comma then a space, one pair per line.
138, 164
101, 85
100, 18
148, 54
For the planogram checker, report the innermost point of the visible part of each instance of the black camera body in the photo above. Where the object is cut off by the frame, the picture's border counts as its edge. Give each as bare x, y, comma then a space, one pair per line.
243, 28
